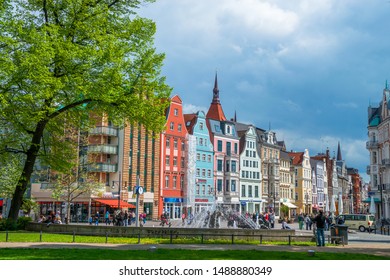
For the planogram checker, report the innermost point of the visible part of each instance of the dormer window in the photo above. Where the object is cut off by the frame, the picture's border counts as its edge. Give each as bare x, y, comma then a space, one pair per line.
201, 126
176, 112
228, 129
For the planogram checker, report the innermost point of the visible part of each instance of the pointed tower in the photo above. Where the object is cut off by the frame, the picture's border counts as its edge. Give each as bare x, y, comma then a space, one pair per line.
215, 111
339, 157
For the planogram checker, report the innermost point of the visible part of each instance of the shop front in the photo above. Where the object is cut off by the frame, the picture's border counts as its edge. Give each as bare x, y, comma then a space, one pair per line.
173, 207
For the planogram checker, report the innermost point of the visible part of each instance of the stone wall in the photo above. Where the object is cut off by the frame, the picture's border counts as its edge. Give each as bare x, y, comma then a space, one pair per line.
166, 232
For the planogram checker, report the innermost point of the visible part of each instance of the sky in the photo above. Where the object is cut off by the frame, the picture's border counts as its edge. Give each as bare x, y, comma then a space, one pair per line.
306, 69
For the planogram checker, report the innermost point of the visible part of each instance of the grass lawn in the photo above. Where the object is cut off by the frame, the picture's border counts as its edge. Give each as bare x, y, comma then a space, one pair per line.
168, 254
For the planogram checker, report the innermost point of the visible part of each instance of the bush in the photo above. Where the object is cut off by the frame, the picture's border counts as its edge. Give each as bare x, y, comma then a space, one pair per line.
20, 224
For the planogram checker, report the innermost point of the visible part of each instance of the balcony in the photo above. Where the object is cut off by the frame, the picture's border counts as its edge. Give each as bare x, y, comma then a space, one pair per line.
103, 149
104, 130
372, 144
102, 167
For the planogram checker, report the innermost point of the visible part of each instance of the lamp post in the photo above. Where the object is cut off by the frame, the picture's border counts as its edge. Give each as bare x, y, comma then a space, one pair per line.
119, 183
381, 192
307, 202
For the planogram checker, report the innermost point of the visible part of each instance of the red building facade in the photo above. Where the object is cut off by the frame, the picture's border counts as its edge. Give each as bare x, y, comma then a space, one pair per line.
172, 163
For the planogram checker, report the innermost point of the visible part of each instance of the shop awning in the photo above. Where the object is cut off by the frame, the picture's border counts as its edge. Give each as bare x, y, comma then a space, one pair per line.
289, 205
114, 203
368, 200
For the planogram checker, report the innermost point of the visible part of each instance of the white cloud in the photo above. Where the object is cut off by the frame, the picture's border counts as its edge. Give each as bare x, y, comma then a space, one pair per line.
190, 109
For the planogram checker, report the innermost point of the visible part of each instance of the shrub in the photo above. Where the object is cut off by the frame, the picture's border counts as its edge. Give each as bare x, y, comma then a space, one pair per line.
20, 224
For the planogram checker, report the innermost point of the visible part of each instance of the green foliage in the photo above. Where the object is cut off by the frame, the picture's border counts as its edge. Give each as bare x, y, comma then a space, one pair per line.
10, 224
284, 210
60, 62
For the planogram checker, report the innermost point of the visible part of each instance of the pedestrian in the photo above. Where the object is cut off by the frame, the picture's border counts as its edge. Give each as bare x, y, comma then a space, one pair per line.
126, 218
97, 216
300, 221
319, 220
183, 219
107, 218
284, 224
271, 218
308, 222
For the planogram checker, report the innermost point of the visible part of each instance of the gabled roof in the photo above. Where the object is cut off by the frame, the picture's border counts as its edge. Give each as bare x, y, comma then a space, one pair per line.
190, 121
297, 157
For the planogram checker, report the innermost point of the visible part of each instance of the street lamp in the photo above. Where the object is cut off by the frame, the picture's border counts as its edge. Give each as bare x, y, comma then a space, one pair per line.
307, 202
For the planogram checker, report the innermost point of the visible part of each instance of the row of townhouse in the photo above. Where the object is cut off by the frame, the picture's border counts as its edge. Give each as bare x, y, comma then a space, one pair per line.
201, 161
378, 145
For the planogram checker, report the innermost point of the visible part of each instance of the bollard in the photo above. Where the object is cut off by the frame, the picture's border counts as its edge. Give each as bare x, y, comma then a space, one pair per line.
201, 238
6, 236
261, 239
170, 237
139, 238
232, 238
106, 237
289, 240
74, 236
40, 236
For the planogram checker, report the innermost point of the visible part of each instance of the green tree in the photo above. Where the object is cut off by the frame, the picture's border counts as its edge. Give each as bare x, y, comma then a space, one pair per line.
60, 61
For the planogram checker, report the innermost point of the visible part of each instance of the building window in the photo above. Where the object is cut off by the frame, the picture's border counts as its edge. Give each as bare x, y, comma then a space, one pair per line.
235, 148
197, 189
201, 141
227, 186
219, 185
234, 166
227, 166
203, 189
243, 191
198, 172
233, 187
174, 182
203, 173
183, 146
249, 191
167, 160
182, 162
219, 146
219, 165
181, 181
201, 125
174, 161
256, 191
166, 181
175, 144
203, 157
179, 127
209, 173
168, 143
209, 158
176, 112
171, 126
198, 156
228, 148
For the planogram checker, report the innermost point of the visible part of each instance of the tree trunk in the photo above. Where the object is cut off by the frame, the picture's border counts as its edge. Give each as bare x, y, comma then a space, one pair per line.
24, 179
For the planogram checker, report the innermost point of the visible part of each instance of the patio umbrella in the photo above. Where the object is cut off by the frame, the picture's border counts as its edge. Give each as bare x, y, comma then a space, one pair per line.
332, 206
372, 209
341, 204
326, 204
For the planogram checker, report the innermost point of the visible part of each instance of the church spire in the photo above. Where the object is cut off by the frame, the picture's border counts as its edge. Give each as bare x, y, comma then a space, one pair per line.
339, 157
215, 111
216, 90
